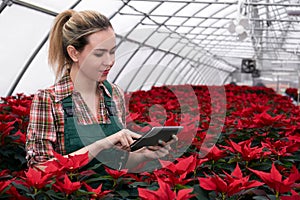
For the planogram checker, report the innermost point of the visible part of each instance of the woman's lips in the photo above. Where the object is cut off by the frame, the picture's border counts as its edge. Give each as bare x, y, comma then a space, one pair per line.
104, 72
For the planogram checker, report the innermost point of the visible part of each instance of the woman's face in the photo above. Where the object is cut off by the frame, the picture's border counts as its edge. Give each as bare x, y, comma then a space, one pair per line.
98, 56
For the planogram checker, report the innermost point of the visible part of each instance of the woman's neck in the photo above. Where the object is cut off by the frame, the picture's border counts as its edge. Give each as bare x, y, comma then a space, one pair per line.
82, 83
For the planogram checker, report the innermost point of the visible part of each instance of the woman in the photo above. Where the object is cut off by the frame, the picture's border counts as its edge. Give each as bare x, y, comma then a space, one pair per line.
82, 112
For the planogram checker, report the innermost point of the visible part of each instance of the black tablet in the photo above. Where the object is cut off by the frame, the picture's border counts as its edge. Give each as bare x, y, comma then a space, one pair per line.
152, 137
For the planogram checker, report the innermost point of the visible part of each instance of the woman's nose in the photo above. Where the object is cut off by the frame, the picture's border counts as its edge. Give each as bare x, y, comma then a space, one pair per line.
109, 59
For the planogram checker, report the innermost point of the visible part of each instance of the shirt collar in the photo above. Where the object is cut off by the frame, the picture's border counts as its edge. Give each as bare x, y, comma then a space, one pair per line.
65, 87
101, 85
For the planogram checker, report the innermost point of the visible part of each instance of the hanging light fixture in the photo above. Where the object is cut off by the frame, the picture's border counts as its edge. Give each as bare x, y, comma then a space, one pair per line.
240, 25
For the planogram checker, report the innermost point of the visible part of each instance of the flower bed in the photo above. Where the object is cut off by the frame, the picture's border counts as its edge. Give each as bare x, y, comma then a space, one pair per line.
256, 156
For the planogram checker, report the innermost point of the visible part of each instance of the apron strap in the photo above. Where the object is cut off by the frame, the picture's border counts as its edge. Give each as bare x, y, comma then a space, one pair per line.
108, 87
67, 104
109, 103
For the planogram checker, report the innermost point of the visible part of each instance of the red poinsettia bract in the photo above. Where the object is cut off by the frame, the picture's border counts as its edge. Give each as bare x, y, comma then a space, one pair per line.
275, 180
295, 196
69, 163
98, 193
13, 192
281, 147
214, 153
36, 178
115, 173
174, 174
244, 148
164, 193
230, 184
265, 119
67, 186
4, 185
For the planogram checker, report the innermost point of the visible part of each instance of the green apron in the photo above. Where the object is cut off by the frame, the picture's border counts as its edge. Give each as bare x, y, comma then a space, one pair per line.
77, 136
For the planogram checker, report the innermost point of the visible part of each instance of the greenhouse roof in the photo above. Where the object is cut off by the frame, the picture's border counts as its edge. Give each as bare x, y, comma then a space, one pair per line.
159, 42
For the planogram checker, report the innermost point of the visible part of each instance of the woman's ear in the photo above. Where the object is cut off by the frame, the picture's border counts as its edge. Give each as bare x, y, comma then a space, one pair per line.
73, 53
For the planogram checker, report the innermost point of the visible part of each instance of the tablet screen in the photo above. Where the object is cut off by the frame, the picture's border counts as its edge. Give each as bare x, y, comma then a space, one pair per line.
152, 137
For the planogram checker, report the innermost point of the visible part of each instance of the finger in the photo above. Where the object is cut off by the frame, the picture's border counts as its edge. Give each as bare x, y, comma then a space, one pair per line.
174, 137
140, 150
153, 148
158, 148
120, 139
168, 147
132, 134
173, 140
124, 141
128, 138
163, 152
161, 143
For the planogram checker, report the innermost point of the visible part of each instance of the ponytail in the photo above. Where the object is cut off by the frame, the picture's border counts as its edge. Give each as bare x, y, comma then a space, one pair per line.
56, 55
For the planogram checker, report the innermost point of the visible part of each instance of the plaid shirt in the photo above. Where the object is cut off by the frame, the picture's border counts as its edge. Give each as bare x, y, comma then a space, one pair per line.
45, 131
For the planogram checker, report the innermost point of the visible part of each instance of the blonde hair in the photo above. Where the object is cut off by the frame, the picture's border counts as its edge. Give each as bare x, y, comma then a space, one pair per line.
72, 28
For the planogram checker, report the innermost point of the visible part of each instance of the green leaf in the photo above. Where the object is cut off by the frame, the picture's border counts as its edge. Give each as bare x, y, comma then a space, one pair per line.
123, 193
5, 196
21, 158
3, 191
101, 178
21, 187
96, 166
153, 187
180, 187
233, 160
138, 184
36, 196
54, 195
268, 197
200, 193
264, 166
81, 192
285, 164
5, 177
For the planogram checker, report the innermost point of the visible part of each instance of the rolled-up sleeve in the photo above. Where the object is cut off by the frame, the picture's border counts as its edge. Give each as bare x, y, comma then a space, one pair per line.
41, 134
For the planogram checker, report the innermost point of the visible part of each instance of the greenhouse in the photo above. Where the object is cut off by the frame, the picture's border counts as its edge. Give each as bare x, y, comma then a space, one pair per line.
214, 83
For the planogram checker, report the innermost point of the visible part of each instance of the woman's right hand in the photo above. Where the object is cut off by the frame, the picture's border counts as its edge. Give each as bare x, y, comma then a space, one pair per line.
123, 139
159, 151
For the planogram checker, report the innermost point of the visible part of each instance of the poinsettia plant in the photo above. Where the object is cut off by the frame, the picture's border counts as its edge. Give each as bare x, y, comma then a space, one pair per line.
255, 156
14, 117
293, 93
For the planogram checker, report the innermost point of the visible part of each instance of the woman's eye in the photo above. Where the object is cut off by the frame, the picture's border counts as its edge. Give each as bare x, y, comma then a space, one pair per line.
98, 54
